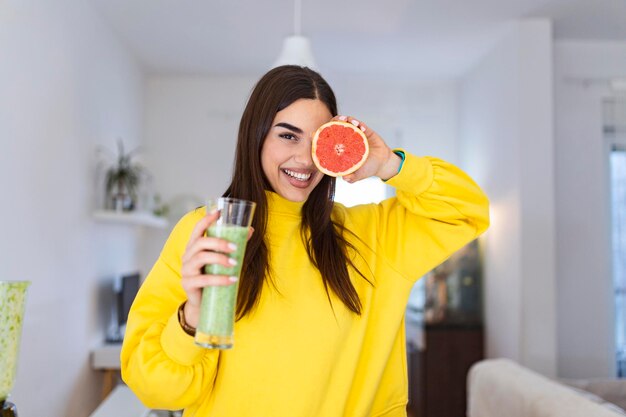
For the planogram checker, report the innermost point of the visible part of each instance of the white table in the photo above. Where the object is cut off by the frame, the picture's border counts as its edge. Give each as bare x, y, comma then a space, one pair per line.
107, 359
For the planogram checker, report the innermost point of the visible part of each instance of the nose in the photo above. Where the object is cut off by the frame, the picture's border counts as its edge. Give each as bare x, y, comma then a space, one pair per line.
303, 154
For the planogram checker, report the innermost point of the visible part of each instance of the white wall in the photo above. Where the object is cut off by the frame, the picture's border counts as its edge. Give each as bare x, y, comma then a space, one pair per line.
585, 302
67, 85
506, 135
420, 116
191, 131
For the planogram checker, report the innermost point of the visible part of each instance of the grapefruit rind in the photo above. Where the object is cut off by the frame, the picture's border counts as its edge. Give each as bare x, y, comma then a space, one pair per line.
339, 148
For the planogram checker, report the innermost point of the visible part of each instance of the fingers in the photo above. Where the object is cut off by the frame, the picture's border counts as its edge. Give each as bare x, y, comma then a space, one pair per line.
193, 285
204, 250
194, 265
250, 232
357, 175
355, 122
212, 244
198, 282
350, 178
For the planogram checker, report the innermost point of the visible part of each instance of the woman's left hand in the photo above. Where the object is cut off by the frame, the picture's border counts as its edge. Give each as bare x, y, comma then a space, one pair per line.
381, 161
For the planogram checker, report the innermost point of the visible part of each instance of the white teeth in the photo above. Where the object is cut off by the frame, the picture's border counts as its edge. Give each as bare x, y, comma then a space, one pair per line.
297, 175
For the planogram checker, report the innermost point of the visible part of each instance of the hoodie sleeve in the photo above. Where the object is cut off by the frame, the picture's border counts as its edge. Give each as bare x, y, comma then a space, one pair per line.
437, 210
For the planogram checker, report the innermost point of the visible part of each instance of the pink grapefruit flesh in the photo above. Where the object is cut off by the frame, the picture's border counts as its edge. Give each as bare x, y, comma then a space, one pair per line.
339, 148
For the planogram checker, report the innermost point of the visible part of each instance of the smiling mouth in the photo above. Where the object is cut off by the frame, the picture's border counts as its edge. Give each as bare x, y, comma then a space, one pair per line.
297, 175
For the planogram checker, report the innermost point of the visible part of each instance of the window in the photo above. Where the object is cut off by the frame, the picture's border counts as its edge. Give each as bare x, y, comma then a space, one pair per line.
614, 111
618, 210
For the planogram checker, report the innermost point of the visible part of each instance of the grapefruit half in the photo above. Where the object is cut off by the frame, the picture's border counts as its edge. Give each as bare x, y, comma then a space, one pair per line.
339, 148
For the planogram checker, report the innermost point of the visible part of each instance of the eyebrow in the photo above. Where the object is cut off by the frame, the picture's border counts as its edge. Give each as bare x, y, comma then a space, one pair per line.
290, 127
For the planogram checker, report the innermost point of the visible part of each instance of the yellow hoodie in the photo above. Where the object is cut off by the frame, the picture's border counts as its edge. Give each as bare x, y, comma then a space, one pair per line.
294, 355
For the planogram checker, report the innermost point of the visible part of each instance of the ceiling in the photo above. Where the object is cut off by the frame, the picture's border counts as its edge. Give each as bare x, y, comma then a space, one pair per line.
414, 38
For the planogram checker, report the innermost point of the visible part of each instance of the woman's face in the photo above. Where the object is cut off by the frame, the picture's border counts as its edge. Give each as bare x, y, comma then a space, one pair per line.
286, 153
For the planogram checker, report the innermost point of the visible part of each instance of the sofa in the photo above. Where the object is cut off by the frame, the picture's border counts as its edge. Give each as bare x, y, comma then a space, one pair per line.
501, 387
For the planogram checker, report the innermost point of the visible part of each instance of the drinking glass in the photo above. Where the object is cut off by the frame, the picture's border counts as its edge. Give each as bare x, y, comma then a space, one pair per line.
217, 311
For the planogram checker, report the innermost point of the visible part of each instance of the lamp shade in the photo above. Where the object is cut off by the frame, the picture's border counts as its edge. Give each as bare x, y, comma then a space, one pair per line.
296, 51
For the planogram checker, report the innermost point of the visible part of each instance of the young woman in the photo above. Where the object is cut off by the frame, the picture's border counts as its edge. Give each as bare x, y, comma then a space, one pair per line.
320, 329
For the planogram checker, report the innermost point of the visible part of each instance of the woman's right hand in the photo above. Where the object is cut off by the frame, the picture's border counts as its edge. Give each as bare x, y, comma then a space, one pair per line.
202, 250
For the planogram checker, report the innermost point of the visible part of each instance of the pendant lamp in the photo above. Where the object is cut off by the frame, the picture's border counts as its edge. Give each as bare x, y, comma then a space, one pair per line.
296, 48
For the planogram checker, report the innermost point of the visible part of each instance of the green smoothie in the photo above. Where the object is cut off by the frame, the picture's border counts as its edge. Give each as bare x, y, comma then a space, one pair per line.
12, 301
217, 311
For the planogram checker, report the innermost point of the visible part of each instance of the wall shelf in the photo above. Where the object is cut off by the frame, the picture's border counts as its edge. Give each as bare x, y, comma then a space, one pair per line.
140, 218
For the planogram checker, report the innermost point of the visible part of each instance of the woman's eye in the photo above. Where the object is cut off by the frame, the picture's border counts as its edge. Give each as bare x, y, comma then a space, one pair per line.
288, 136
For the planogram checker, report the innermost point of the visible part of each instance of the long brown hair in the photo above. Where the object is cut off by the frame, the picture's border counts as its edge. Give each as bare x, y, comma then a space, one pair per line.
323, 238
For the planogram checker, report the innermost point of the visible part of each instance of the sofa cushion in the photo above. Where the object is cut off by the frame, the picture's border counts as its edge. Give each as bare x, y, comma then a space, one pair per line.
610, 390
498, 387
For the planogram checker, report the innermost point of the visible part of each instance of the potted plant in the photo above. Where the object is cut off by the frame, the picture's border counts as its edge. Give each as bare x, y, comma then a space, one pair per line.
122, 181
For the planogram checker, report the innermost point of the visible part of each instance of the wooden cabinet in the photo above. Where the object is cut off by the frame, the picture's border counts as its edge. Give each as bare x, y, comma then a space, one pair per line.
438, 374
415, 364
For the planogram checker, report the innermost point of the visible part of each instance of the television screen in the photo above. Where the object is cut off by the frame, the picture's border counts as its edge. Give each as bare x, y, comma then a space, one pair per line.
126, 295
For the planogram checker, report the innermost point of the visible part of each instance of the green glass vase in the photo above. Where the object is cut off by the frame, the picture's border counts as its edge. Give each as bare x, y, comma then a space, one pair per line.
12, 304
